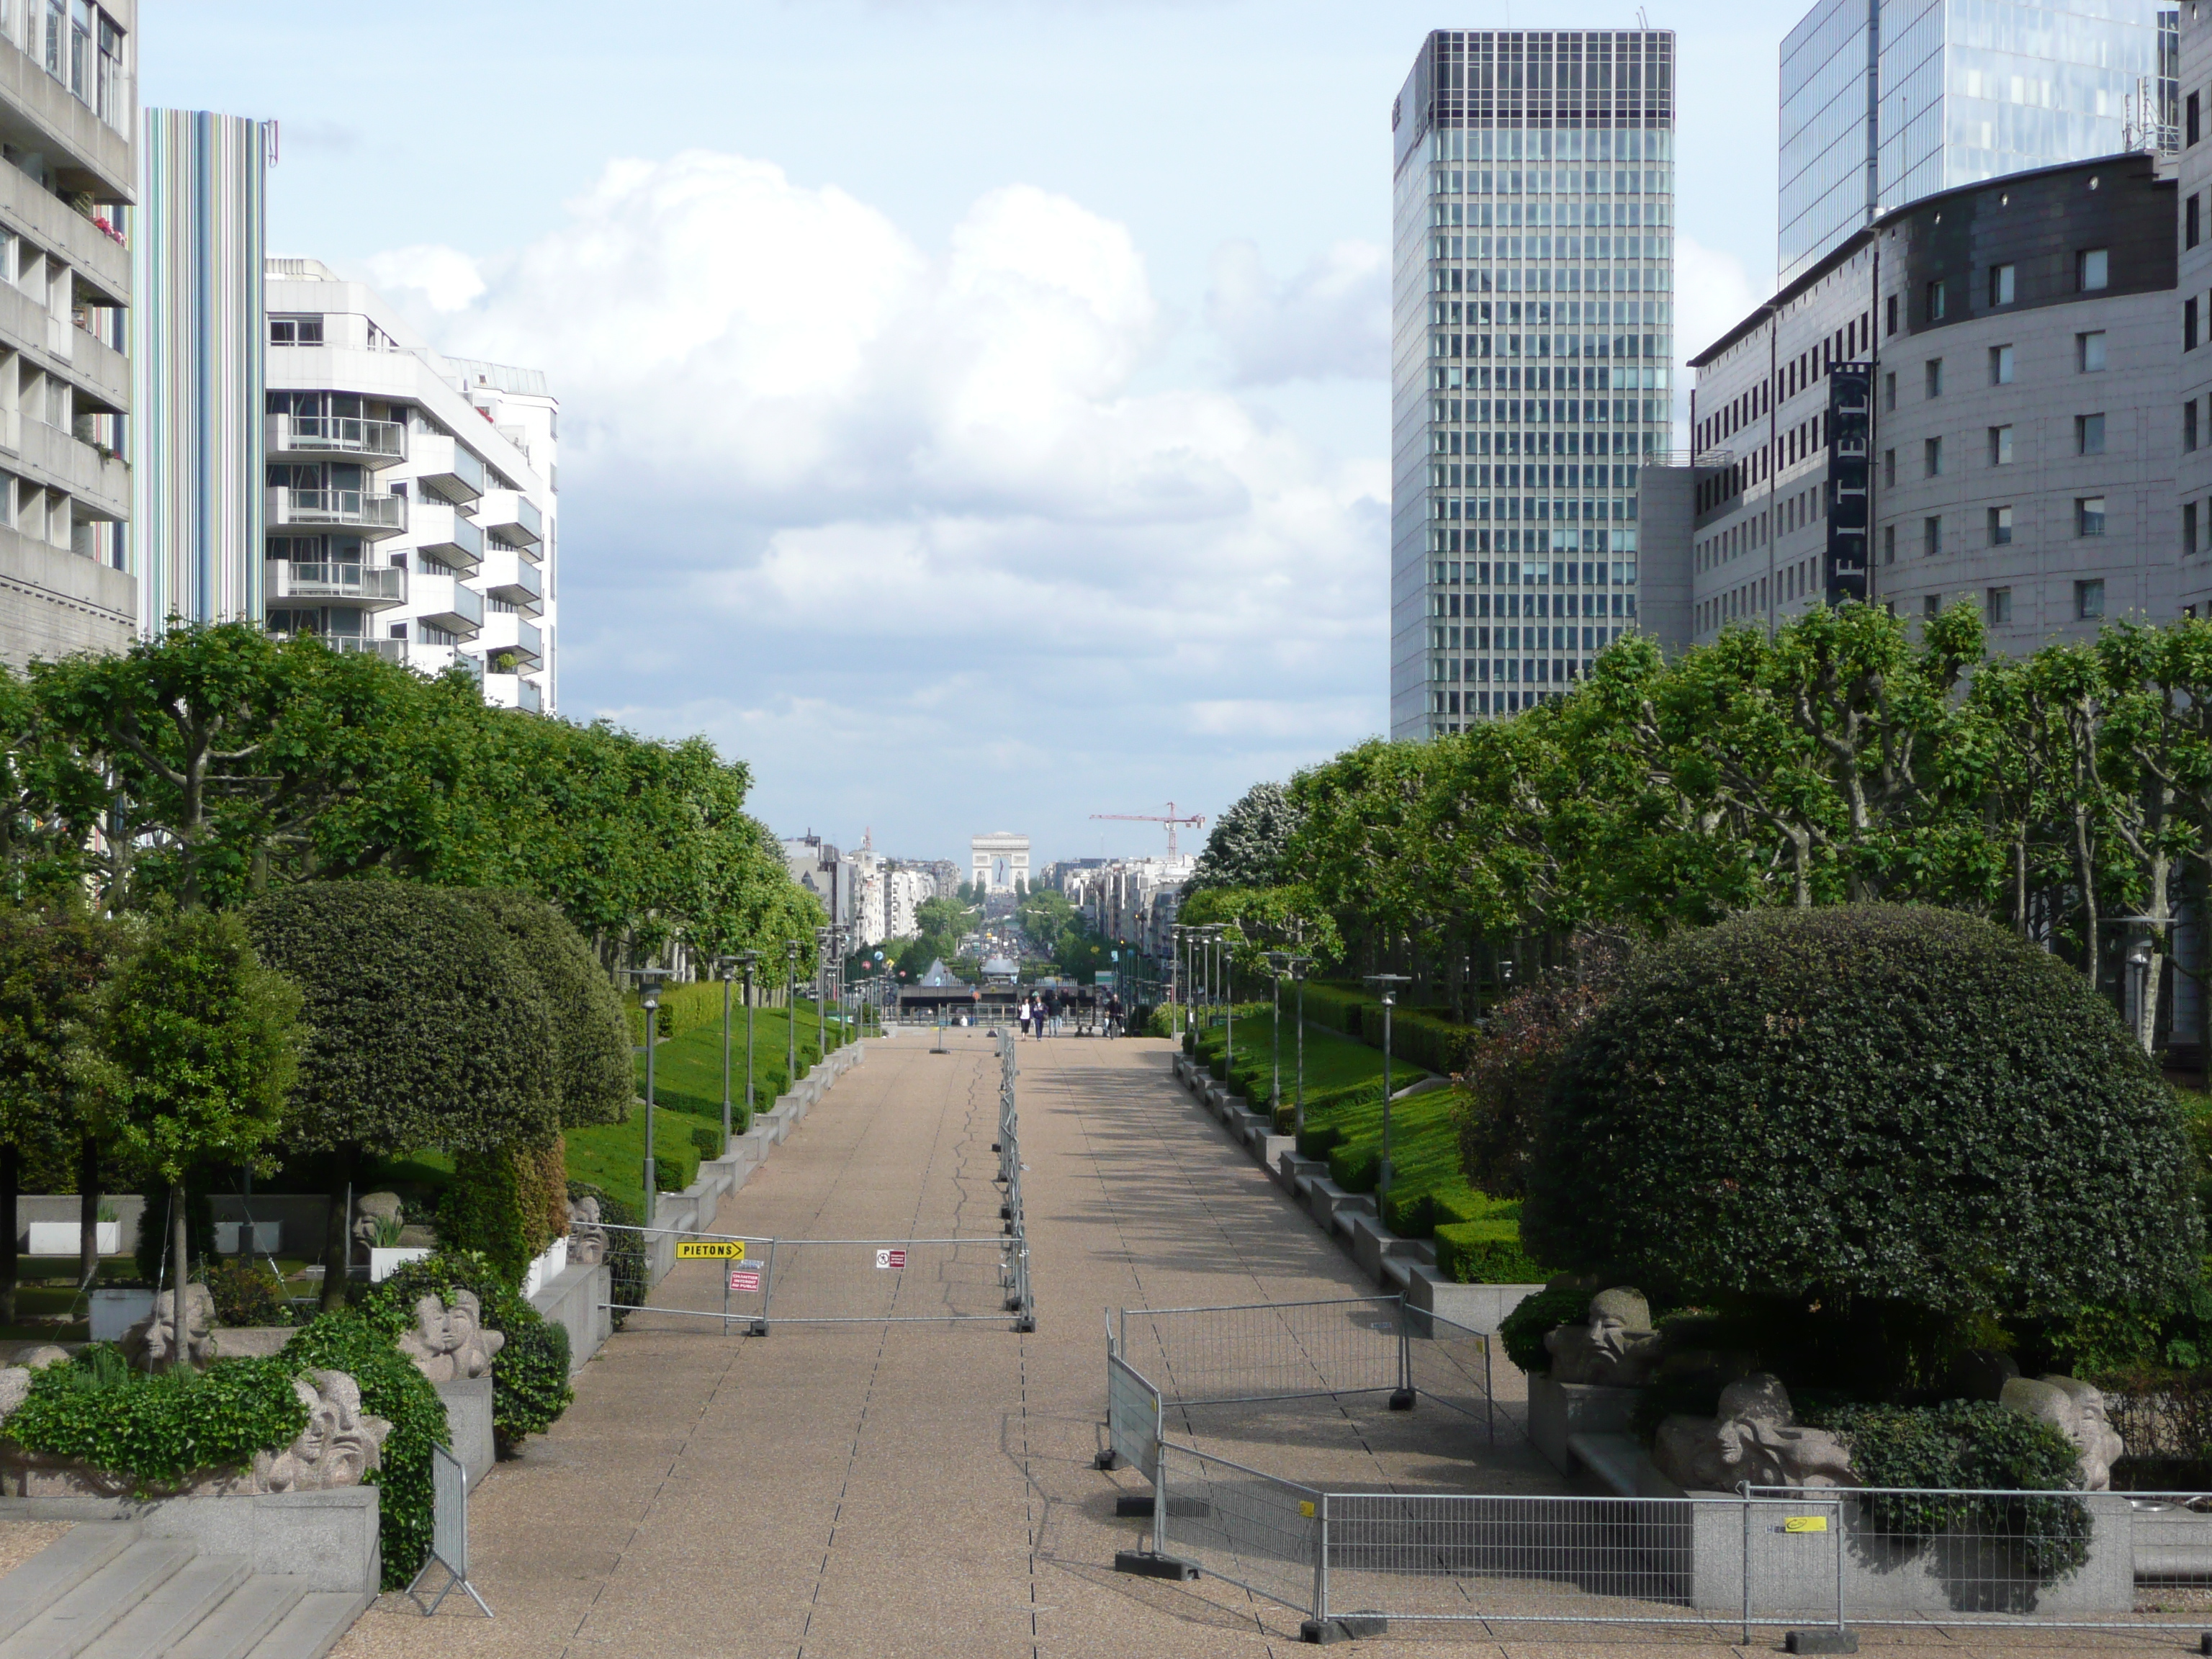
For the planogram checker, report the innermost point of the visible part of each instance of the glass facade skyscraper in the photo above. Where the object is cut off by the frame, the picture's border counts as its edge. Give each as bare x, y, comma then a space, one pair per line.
1532, 331
1887, 101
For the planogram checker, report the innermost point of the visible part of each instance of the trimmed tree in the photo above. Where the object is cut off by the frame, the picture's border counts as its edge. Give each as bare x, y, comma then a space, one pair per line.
199, 1044
592, 1071
1250, 843
1893, 1117
430, 1029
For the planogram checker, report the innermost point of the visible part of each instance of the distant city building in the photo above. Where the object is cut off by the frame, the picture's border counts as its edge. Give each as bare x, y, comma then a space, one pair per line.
904, 891
998, 860
1132, 903
68, 100
826, 872
1881, 108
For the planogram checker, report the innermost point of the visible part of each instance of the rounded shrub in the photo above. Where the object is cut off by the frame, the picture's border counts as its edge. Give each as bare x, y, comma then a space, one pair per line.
591, 1069
1868, 1104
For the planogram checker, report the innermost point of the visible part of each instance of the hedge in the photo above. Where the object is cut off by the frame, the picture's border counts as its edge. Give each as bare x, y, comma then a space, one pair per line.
1486, 1252
590, 1049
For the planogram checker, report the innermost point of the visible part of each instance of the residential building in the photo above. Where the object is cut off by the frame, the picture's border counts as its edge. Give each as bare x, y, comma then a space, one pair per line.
905, 888
198, 368
412, 497
1965, 400
68, 132
1132, 901
1533, 329
1885, 105
826, 872
998, 861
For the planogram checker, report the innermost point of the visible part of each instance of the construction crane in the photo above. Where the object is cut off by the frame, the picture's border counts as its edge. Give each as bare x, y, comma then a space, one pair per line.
1195, 820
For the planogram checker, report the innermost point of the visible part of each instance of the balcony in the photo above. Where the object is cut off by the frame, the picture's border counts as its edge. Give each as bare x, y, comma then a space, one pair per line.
372, 512
442, 533
352, 644
446, 602
511, 517
527, 652
449, 471
513, 691
524, 589
374, 588
315, 437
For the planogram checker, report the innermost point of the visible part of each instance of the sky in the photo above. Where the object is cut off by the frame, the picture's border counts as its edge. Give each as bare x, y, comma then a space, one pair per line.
975, 413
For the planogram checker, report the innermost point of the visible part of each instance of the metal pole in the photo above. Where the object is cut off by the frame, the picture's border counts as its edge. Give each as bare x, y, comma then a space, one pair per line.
1228, 1010
1275, 1030
749, 1045
1743, 1490
652, 1175
725, 1070
1382, 1181
1302, 1053
791, 1018
1321, 1568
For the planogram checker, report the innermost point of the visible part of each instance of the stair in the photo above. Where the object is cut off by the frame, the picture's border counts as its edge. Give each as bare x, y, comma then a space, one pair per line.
105, 1591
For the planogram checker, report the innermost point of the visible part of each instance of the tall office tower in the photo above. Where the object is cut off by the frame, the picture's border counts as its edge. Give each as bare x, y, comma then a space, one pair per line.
196, 368
1883, 104
1532, 328
67, 131
411, 504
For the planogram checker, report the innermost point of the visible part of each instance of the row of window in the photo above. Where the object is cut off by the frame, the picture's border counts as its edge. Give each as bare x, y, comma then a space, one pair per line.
1443, 476
2092, 271
1790, 583
2088, 440
2091, 356
2088, 521
1542, 313
1855, 337
1546, 181
1996, 603
1514, 606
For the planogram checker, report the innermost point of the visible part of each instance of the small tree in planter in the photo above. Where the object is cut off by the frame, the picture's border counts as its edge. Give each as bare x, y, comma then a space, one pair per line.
199, 1044
1864, 1128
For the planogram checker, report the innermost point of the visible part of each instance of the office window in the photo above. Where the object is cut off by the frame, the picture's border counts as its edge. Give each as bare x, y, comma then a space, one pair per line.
1931, 536
2093, 270
2191, 217
1889, 315
1888, 468
2189, 426
1931, 605
1889, 390
2001, 285
2189, 324
2088, 434
2001, 446
1935, 377
1997, 606
1935, 300
2000, 526
2190, 118
295, 330
1889, 543
1931, 457
2189, 527
2089, 352
2088, 600
2088, 515
2001, 365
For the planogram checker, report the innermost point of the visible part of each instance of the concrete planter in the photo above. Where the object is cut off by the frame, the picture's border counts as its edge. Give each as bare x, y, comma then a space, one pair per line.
384, 1261
468, 1416
1559, 1411
256, 1238
546, 1267
1478, 1307
67, 1237
115, 1311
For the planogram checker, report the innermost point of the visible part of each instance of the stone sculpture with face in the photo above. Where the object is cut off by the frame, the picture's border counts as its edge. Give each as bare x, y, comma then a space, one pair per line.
1616, 1348
1754, 1438
340, 1445
449, 1343
153, 1340
2076, 1409
587, 1240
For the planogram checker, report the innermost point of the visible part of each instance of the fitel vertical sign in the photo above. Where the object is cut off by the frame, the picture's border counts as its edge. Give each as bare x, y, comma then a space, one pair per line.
1851, 437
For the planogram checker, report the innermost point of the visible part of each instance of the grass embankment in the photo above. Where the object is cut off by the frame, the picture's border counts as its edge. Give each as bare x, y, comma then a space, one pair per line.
1477, 1237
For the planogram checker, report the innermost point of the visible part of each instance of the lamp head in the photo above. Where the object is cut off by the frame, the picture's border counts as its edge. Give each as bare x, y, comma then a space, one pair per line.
648, 985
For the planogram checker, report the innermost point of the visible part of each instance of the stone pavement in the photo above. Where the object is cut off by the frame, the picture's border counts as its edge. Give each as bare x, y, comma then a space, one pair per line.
929, 1489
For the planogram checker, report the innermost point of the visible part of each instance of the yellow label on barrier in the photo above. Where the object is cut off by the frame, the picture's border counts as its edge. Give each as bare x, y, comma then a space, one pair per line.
1305, 1508
1805, 1523
711, 1249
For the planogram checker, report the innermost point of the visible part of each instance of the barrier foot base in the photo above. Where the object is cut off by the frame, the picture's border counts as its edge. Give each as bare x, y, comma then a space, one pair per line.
758, 1328
1133, 1505
1352, 1627
1107, 1459
1143, 1505
2204, 1642
1830, 1640
1026, 1325
1402, 1400
1145, 1564
994, 1146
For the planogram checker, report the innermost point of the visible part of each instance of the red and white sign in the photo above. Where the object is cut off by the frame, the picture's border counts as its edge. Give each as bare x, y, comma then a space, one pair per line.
890, 1258
745, 1278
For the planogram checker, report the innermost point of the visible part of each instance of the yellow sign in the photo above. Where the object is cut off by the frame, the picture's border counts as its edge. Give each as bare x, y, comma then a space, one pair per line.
711, 1249
1305, 1508
1805, 1523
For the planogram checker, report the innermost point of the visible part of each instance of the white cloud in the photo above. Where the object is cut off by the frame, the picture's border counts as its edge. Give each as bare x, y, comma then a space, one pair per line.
1713, 292
1332, 319
897, 523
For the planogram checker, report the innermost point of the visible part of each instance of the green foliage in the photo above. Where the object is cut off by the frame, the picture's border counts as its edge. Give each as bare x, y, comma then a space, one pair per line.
53, 963
1161, 1022
529, 1380
349, 1340
429, 1027
1249, 844
628, 1265
530, 1373
1524, 1329
707, 1140
1486, 1252
1509, 1069
591, 1042
248, 1293
161, 1431
673, 1171
1864, 1103
150, 1246
199, 1044
1970, 1444
482, 1213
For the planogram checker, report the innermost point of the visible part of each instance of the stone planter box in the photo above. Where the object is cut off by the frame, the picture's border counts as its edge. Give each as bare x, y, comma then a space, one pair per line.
384, 1261
546, 1268
1478, 1307
1558, 1411
67, 1237
468, 1418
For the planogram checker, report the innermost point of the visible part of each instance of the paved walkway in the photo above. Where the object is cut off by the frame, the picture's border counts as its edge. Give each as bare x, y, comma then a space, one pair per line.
926, 1490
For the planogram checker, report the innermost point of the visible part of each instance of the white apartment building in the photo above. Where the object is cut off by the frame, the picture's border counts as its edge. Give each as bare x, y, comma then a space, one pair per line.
412, 497
1132, 901
904, 890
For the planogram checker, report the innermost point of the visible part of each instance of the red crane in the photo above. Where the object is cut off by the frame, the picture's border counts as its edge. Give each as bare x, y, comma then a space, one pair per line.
1195, 820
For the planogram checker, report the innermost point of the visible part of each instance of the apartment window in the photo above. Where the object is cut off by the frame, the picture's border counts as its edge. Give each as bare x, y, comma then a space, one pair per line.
2089, 352
2189, 426
1889, 315
295, 330
2191, 217
2093, 270
2001, 446
2189, 527
2088, 434
2000, 526
1931, 605
2088, 600
1889, 468
1889, 390
1935, 377
1931, 536
2088, 515
1889, 543
2190, 118
2001, 285
1931, 458
2001, 365
1997, 606
2189, 324
1935, 300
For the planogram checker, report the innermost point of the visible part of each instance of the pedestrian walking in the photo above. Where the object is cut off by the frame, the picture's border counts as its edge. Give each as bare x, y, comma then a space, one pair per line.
1025, 1016
1114, 1015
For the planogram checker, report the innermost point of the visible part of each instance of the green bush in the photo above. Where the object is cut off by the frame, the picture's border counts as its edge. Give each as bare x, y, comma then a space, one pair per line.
162, 1430
248, 1293
1486, 1252
1866, 1106
390, 1387
530, 1373
673, 1172
1524, 1329
1434, 1044
591, 1043
482, 1212
529, 1380
706, 1140
1337, 1007
628, 1266
151, 1246
1160, 1022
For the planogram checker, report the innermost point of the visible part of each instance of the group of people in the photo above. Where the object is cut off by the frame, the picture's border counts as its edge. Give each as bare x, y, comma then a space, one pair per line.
1044, 1012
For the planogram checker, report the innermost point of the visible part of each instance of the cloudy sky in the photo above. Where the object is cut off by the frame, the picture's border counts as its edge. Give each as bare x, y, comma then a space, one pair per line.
974, 412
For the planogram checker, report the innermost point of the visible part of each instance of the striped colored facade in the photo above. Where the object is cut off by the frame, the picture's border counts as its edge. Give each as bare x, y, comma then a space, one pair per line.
199, 340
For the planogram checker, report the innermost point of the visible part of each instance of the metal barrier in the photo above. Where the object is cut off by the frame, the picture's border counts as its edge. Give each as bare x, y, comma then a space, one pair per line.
449, 1532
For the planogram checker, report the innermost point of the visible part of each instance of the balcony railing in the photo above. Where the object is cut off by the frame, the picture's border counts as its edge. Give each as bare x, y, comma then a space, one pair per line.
372, 512
390, 650
374, 585
524, 590
380, 443
512, 517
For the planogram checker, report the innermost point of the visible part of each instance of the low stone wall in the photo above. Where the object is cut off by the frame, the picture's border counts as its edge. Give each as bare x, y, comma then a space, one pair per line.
327, 1538
468, 1418
578, 1299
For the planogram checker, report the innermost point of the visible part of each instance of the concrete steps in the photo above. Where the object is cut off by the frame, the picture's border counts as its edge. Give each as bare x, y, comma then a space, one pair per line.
105, 1590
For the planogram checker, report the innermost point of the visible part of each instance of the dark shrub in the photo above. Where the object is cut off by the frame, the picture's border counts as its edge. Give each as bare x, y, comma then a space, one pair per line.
1509, 1069
1524, 1329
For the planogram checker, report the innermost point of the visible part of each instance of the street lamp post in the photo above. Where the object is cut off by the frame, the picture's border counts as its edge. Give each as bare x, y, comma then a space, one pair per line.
1275, 961
1298, 965
1388, 984
790, 1014
744, 960
648, 999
